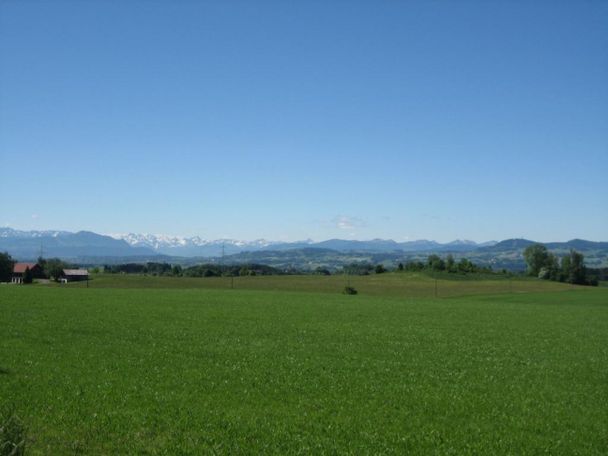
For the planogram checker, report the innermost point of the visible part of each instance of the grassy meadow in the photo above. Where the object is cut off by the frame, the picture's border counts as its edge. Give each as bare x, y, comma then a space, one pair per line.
288, 365
400, 285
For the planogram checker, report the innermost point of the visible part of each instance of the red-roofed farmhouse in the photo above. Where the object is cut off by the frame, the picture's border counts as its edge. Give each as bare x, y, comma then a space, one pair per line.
19, 270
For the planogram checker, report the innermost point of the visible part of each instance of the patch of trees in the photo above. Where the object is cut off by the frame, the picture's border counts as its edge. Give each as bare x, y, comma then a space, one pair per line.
412, 266
52, 268
597, 274
363, 268
201, 270
435, 263
545, 265
214, 270
463, 266
158, 269
127, 268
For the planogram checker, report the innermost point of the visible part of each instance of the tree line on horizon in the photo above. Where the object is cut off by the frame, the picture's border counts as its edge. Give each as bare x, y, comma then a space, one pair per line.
201, 270
540, 263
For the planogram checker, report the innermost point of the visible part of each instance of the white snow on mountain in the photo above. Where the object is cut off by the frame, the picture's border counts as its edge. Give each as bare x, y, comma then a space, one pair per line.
160, 241
6, 232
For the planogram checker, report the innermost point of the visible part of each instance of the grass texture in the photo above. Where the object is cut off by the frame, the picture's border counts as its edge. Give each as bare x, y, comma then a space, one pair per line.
204, 371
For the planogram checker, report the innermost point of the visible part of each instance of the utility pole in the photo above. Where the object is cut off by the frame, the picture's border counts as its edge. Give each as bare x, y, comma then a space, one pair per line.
435, 285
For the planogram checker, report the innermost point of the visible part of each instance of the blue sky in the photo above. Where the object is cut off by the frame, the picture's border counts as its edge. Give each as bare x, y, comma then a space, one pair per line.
318, 119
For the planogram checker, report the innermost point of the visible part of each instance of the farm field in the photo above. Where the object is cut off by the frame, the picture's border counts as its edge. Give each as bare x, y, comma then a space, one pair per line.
153, 366
403, 285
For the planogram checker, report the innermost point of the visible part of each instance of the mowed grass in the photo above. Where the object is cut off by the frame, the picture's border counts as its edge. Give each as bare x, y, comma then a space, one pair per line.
403, 285
198, 371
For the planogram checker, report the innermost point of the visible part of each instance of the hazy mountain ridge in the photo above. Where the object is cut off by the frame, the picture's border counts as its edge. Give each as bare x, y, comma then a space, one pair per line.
64, 244
143, 244
93, 248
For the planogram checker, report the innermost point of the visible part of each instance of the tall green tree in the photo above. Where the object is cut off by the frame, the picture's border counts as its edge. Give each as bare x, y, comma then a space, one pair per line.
6, 267
450, 264
435, 263
28, 276
573, 268
537, 257
466, 265
53, 268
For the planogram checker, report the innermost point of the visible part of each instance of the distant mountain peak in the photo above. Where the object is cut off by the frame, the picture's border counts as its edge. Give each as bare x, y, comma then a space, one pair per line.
462, 242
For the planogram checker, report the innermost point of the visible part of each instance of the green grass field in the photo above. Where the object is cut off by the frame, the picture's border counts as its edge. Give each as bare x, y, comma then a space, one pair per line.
404, 285
184, 366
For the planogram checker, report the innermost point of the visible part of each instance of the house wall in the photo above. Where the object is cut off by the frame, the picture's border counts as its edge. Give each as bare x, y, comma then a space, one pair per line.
76, 278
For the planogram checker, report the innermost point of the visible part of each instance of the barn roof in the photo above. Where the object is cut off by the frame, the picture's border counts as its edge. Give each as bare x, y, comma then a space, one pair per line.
20, 268
75, 272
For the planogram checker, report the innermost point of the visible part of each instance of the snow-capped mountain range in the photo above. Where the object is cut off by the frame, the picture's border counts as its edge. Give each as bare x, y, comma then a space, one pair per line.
163, 243
28, 244
160, 241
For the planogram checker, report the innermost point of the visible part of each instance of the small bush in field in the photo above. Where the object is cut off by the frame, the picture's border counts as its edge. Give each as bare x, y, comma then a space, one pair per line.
349, 291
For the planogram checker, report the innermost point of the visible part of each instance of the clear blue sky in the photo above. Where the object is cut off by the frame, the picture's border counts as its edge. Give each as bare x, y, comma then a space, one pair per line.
316, 119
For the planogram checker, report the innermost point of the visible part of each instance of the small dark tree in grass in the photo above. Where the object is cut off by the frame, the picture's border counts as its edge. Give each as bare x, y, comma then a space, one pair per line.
28, 277
349, 291
380, 269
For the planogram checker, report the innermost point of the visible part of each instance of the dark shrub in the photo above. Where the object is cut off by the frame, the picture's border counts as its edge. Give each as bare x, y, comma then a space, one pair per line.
28, 277
349, 291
